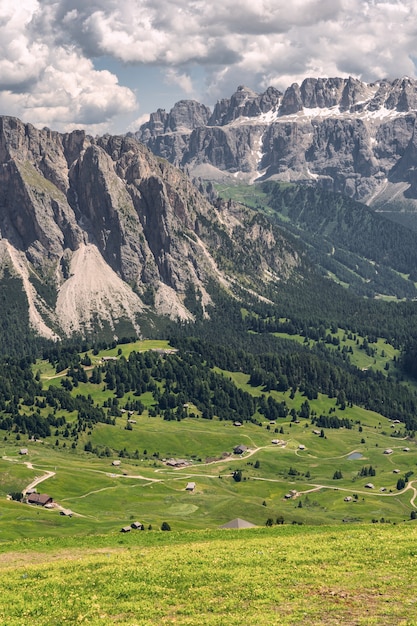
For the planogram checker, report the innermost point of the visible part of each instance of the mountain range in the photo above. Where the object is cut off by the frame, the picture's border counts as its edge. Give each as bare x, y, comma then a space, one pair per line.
105, 237
102, 236
351, 137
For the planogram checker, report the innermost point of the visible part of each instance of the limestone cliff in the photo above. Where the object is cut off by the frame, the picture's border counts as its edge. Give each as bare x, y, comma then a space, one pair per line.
349, 136
101, 232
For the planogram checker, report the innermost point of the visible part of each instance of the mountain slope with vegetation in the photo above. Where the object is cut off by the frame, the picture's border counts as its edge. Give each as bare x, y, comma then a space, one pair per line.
300, 409
104, 238
347, 240
101, 239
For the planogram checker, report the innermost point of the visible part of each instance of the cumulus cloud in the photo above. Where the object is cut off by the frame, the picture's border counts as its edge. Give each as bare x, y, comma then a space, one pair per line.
48, 48
184, 81
261, 40
21, 58
48, 81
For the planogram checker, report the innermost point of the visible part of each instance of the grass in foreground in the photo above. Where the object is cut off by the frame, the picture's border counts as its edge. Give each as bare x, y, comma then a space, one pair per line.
283, 575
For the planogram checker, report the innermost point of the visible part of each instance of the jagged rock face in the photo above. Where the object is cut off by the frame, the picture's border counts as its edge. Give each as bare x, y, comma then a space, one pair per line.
185, 115
114, 232
352, 137
226, 149
244, 103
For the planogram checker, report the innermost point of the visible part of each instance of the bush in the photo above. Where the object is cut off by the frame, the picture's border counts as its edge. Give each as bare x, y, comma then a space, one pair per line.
237, 476
165, 526
16, 495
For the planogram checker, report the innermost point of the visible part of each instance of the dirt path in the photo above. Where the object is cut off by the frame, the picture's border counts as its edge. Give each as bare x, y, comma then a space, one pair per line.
37, 480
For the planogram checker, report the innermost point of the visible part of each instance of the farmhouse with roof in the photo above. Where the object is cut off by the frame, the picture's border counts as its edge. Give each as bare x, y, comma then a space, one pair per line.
41, 499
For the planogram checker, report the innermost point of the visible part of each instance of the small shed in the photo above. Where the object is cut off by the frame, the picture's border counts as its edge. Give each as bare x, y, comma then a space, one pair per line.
370, 486
348, 499
190, 487
239, 449
66, 512
301, 447
23, 451
406, 449
116, 463
388, 451
136, 526
125, 529
237, 423
177, 463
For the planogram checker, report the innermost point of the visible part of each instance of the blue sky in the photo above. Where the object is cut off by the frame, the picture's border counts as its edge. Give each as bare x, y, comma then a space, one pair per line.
104, 65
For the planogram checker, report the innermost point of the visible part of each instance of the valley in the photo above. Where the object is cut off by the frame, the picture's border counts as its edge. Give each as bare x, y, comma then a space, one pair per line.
180, 354
208, 313
109, 474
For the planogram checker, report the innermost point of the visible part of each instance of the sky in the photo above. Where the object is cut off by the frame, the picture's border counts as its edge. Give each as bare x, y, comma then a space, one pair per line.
105, 65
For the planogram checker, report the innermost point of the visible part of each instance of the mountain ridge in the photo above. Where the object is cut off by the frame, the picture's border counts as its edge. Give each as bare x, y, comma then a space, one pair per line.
351, 137
101, 231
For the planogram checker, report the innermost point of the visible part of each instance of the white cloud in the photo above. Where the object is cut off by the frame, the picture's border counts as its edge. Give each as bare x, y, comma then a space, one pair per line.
332, 35
137, 123
184, 81
69, 94
21, 59
48, 48
48, 81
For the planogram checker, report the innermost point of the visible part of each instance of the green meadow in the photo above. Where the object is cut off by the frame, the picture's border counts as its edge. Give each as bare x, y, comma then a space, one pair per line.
286, 575
327, 548
380, 359
104, 497
319, 468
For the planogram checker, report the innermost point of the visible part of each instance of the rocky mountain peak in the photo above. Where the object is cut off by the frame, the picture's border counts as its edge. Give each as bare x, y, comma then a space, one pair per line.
101, 233
184, 116
350, 136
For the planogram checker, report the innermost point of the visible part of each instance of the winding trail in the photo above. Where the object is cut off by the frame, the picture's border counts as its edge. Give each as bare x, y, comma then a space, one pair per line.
173, 474
37, 480
409, 486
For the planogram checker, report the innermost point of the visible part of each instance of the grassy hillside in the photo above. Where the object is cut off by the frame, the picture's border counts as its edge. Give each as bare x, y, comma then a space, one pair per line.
324, 469
282, 575
104, 497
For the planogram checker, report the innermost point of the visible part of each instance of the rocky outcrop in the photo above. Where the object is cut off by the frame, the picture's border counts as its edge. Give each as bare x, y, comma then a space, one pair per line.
349, 136
244, 103
102, 233
185, 115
